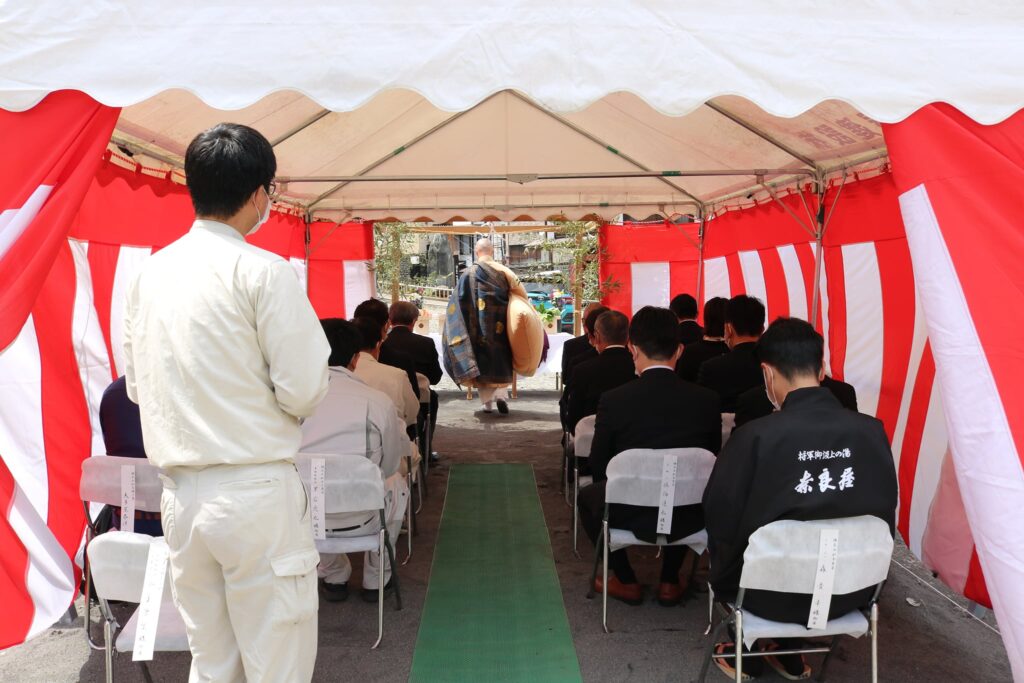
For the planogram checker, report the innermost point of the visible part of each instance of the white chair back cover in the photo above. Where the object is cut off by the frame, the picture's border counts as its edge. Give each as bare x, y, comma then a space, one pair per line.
424, 385
634, 476
584, 437
351, 482
783, 556
117, 561
101, 481
728, 424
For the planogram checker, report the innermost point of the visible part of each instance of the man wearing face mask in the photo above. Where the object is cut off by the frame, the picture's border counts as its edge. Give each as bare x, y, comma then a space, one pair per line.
737, 371
813, 459
225, 357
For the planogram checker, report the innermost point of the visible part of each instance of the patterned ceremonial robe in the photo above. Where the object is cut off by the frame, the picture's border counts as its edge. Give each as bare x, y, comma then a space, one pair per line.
476, 344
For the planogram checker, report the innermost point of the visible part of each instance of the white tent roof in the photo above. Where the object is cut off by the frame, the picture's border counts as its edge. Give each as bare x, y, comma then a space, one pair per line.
463, 88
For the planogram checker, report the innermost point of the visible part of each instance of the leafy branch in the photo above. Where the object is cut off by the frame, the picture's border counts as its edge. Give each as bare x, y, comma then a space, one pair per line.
388, 239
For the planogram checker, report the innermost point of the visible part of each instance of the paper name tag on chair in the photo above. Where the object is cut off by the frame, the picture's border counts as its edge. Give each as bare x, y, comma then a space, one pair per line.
149, 606
824, 578
317, 475
128, 498
669, 469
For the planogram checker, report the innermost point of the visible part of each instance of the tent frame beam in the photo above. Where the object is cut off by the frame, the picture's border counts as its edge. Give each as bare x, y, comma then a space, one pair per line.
774, 142
523, 178
292, 132
351, 210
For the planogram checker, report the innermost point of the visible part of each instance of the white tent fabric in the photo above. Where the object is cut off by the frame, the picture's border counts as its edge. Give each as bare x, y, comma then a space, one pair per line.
456, 88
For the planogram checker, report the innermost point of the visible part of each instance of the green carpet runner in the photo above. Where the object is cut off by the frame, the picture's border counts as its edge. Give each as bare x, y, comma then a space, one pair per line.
494, 609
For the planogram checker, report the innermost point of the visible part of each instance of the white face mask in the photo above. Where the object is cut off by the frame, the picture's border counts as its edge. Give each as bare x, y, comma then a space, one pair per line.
769, 389
263, 216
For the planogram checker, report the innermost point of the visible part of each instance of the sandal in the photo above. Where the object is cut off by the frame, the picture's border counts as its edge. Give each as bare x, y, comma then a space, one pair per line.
752, 668
787, 665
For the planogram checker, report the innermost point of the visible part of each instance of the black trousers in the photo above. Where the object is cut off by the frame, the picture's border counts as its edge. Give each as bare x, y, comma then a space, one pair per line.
591, 507
421, 422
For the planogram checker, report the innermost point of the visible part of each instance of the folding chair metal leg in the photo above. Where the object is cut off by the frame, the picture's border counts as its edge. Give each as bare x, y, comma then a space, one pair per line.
394, 571
108, 650
711, 650
380, 588
738, 646
604, 585
575, 512
874, 643
593, 573
410, 517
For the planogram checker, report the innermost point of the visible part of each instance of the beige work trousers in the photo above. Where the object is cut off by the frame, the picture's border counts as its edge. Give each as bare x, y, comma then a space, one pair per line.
243, 570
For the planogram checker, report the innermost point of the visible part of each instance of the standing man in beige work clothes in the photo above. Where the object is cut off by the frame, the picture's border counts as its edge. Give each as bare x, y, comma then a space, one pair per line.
224, 357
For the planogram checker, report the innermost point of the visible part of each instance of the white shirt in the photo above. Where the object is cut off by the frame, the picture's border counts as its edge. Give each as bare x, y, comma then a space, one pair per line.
223, 352
358, 419
393, 382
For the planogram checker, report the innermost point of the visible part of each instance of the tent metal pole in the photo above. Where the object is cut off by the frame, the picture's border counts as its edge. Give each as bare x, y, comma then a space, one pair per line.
700, 254
299, 128
306, 238
743, 123
497, 207
819, 252
800, 221
524, 178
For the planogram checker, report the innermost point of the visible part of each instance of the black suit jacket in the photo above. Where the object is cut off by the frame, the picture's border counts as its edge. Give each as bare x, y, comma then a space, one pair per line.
420, 348
574, 352
402, 361
791, 465
658, 410
695, 354
612, 368
732, 374
754, 403
690, 331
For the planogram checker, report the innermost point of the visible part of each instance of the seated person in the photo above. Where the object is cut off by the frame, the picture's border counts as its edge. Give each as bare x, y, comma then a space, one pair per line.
403, 316
658, 410
735, 372
377, 310
575, 351
357, 419
612, 367
685, 308
122, 436
760, 478
386, 378
754, 403
711, 345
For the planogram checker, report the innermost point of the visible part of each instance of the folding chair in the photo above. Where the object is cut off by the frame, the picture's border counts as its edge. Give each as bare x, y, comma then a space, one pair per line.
115, 562
635, 478
783, 557
728, 424
581, 445
354, 484
426, 439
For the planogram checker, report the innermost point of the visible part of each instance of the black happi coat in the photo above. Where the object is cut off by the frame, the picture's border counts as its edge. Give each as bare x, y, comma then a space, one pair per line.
476, 344
791, 465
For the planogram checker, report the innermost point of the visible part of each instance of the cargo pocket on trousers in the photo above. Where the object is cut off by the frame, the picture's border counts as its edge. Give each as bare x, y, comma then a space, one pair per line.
295, 594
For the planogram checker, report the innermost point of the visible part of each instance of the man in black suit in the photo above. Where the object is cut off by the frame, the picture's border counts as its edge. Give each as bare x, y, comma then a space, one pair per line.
685, 308
377, 310
402, 340
658, 410
754, 403
575, 351
611, 368
710, 346
813, 459
735, 372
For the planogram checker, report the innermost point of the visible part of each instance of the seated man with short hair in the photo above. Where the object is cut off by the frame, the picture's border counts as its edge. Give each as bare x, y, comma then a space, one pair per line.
357, 419
685, 308
658, 410
386, 378
711, 345
403, 340
813, 459
735, 372
575, 351
377, 310
612, 367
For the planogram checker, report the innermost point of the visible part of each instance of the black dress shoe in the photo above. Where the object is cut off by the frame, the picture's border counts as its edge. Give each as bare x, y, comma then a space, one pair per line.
370, 594
334, 592
502, 406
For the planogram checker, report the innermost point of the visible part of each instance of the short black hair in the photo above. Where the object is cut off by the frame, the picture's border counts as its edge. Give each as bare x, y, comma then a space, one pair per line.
591, 318
714, 316
793, 347
684, 306
344, 339
373, 308
403, 313
224, 165
613, 326
746, 315
370, 330
655, 331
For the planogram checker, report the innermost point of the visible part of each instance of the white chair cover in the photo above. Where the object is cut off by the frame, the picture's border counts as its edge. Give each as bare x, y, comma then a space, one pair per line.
584, 437
118, 560
783, 556
351, 482
621, 538
424, 386
634, 476
754, 628
171, 635
101, 481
